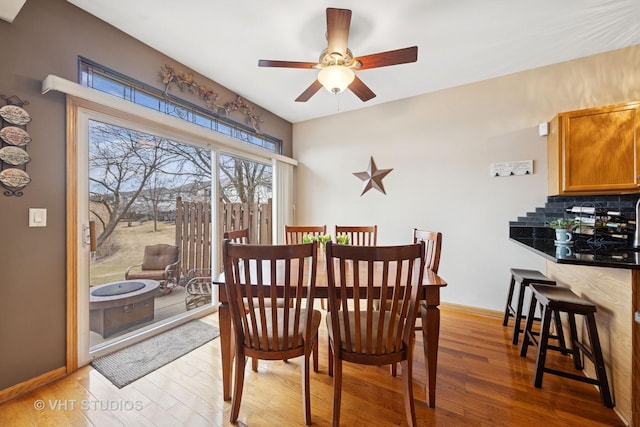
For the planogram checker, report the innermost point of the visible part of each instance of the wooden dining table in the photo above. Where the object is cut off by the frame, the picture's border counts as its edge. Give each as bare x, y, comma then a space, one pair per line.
429, 313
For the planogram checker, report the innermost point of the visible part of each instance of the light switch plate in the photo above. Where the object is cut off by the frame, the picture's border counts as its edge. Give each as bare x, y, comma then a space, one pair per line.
543, 129
37, 217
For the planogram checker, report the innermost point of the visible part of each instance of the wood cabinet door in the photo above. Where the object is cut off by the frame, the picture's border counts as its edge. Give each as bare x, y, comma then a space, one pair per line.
600, 153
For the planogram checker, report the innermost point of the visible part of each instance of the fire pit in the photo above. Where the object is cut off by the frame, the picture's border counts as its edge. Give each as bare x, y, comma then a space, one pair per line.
120, 305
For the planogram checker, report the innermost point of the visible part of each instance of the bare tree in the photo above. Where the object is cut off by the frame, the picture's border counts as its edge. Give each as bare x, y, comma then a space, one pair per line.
240, 180
156, 196
133, 174
121, 163
244, 181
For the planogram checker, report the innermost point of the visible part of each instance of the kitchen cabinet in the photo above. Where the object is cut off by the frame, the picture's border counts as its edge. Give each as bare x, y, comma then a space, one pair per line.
595, 151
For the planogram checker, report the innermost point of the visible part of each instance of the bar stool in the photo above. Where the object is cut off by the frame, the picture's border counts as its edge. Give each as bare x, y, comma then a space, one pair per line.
524, 278
556, 299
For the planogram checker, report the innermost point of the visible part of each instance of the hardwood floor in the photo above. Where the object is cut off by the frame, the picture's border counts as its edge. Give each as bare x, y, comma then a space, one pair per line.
482, 381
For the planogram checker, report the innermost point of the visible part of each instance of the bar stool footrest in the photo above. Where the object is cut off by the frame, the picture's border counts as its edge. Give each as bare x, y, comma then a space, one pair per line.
556, 300
564, 351
571, 376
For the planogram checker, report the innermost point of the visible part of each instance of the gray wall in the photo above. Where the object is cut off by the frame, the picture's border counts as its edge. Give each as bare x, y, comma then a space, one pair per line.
46, 38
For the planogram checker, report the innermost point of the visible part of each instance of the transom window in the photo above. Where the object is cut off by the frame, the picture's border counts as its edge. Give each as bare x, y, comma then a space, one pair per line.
105, 80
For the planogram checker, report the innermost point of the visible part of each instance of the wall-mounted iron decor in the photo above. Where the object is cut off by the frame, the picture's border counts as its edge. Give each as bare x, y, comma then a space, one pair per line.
13, 142
171, 76
372, 177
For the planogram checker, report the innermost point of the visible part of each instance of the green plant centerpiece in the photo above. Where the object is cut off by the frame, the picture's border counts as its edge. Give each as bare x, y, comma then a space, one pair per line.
562, 224
321, 238
308, 238
563, 228
343, 239
324, 238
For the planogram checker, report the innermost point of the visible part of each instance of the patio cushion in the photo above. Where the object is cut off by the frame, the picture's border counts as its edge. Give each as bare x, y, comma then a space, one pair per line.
157, 257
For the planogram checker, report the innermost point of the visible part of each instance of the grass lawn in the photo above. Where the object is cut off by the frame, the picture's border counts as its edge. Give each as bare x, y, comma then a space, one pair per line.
130, 243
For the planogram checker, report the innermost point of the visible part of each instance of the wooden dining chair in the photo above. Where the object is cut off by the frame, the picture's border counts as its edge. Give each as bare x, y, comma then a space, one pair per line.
241, 236
359, 332
260, 276
359, 235
237, 236
433, 246
294, 234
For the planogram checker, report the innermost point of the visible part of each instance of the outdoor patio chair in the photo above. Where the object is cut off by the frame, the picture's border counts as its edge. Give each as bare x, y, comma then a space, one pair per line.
160, 262
198, 280
198, 287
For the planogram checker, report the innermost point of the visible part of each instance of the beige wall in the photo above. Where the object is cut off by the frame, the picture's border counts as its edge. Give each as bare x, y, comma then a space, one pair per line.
440, 146
47, 37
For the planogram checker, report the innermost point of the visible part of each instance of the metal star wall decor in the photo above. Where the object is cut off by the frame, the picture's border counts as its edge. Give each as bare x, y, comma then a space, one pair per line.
372, 177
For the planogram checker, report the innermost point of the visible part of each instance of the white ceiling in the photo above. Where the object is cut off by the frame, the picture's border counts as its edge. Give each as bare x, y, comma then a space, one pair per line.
9, 9
459, 41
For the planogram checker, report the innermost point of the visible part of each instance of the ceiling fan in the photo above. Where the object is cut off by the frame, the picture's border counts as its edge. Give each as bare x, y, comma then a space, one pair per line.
337, 64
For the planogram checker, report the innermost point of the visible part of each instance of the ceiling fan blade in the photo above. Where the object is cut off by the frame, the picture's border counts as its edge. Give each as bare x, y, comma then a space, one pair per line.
338, 22
391, 57
285, 64
361, 90
309, 92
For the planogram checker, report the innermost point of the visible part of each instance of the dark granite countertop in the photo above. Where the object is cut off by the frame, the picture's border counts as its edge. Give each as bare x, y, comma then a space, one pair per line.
540, 240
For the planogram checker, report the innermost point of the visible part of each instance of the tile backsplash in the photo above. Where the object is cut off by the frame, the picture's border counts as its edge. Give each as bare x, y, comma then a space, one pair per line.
556, 207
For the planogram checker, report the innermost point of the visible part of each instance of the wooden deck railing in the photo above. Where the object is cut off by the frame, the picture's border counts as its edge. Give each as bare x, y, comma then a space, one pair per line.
194, 232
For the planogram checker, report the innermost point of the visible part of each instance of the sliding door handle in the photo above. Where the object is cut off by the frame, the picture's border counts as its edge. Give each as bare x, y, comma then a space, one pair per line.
92, 236
89, 237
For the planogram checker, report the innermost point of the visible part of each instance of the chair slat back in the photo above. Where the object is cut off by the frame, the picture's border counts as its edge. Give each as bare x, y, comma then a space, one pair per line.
266, 286
358, 276
237, 236
359, 235
433, 246
293, 234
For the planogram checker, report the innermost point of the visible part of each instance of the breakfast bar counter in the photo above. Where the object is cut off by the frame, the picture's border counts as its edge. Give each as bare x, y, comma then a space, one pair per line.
581, 252
608, 275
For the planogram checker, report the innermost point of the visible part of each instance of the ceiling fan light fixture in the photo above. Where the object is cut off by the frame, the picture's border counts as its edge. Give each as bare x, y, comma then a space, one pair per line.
336, 78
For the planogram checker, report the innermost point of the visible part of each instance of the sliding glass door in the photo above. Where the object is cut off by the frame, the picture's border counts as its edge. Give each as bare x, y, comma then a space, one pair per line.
130, 180
246, 196
136, 181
